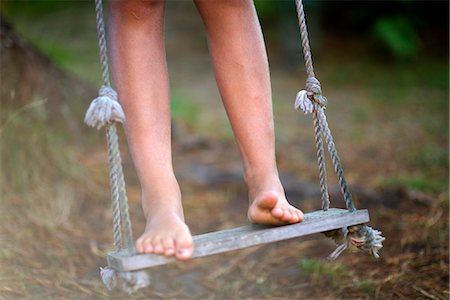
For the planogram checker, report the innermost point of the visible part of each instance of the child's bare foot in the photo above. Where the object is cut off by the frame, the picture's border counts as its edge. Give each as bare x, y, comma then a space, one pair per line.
166, 232
269, 206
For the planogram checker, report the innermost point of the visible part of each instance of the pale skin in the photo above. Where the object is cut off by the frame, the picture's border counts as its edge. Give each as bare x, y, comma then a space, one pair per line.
140, 75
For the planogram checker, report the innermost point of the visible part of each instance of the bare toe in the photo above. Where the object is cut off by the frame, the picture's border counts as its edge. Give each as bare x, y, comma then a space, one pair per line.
277, 212
140, 245
294, 217
184, 253
184, 248
143, 245
157, 245
286, 216
169, 247
268, 202
272, 208
148, 247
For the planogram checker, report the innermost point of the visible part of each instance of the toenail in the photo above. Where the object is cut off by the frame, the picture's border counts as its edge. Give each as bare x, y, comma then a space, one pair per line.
183, 252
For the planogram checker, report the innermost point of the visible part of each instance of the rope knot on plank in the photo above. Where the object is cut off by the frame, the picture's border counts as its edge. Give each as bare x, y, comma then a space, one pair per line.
361, 237
306, 99
129, 282
104, 109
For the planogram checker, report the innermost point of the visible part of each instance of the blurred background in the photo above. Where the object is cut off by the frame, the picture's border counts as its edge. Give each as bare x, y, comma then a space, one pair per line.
383, 65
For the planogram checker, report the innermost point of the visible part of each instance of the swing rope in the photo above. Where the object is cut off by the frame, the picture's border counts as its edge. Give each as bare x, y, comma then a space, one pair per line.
312, 101
106, 110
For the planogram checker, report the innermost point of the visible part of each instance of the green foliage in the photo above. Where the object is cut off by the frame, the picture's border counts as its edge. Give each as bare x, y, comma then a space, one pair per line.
367, 286
63, 30
418, 183
265, 8
183, 110
432, 157
41, 8
398, 35
273, 10
319, 270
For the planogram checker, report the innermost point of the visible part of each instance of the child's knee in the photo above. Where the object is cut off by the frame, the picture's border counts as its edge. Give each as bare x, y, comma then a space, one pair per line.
238, 3
138, 9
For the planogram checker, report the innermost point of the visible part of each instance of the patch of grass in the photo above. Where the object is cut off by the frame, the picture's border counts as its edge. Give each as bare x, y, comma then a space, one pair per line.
319, 270
422, 83
267, 291
418, 183
367, 286
432, 157
183, 109
39, 177
199, 120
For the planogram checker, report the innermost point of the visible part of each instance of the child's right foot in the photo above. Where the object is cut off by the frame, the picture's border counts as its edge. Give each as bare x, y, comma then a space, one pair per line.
166, 233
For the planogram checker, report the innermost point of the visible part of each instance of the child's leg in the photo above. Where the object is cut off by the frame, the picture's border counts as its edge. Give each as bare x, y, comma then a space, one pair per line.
141, 78
240, 63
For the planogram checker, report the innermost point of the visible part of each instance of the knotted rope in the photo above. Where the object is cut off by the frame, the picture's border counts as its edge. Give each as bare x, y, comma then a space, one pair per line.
105, 110
312, 101
358, 237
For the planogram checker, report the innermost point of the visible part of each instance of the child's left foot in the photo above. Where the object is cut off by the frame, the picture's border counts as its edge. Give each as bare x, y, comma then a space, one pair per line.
269, 206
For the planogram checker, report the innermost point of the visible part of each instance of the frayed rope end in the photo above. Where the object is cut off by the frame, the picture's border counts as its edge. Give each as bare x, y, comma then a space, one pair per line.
359, 237
109, 277
306, 99
104, 109
128, 282
302, 102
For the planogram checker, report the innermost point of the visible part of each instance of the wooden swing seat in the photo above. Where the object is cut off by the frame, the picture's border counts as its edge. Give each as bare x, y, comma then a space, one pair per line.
245, 236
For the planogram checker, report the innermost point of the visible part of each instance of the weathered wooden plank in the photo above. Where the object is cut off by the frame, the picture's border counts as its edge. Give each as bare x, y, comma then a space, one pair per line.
245, 236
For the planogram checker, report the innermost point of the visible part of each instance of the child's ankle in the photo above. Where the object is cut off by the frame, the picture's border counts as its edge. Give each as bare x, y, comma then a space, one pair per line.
260, 178
161, 201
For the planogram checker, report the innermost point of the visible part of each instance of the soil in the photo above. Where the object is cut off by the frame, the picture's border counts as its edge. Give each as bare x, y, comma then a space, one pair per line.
41, 261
